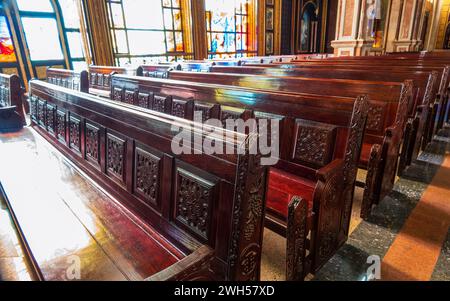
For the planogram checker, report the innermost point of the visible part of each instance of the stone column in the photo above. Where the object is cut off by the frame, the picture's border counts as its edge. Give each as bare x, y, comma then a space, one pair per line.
353, 28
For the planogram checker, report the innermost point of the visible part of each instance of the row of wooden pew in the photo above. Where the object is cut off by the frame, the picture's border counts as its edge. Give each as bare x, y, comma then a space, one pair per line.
400, 123
207, 213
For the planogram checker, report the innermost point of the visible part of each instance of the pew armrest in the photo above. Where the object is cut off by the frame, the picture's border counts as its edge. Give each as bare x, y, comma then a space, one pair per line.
325, 173
192, 267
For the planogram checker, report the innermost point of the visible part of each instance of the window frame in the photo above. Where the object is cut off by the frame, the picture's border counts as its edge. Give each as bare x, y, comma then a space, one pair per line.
167, 55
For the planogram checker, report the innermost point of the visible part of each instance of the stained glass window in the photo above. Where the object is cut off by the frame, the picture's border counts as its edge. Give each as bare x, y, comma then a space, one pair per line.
7, 53
146, 31
228, 25
72, 26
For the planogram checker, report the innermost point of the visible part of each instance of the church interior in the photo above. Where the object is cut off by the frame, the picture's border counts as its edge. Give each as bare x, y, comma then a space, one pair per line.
225, 140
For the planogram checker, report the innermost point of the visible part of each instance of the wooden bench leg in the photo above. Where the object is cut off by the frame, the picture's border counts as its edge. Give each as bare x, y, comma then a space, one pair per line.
297, 233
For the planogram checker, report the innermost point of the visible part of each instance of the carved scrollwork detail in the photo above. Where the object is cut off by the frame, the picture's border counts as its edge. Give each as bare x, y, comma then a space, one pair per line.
50, 118
369, 189
130, 97
296, 236
159, 103
75, 134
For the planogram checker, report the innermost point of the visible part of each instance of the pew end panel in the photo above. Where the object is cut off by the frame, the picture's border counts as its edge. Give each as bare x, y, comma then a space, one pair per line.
12, 109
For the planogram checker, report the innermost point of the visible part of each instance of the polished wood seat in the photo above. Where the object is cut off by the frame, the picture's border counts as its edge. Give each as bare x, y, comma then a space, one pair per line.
63, 214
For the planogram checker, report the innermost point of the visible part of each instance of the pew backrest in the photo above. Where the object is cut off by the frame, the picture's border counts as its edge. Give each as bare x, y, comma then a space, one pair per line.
78, 81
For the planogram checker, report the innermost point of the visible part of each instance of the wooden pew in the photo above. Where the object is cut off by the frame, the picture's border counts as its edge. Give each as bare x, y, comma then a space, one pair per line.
320, 140
12, 111
100, 78
178, 216
78, 81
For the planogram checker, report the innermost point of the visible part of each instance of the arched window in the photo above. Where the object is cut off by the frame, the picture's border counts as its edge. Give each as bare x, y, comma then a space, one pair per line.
77, 47
148, 30
309, 28
230, 26
40, 27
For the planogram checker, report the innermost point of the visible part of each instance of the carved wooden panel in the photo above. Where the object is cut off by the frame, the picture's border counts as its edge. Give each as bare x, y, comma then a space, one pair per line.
50, 118
180, 108
75, 133
100, 80
61, 126
5, 98
145, 100
147, 175
130, 97
76, 84
118, 94
314, 142
115, 157
205, 109
194, 201
227, 113
41, 112
92, 145
93, 79
160, 103
33, 108
375, 119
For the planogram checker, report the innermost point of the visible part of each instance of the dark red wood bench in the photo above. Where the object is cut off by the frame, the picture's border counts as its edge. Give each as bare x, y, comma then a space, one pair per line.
78, 81
320, 146
12, 111
112, 192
